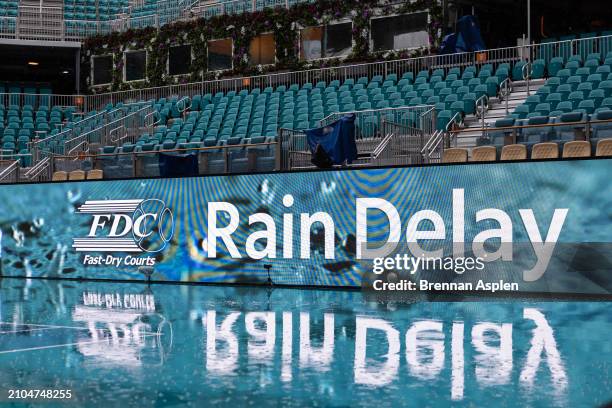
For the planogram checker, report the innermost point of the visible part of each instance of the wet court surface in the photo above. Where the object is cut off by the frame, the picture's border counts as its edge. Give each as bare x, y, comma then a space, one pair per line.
134, 345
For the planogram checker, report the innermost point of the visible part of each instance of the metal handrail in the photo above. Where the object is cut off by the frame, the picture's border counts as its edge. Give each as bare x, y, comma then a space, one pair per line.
452, 120
427, 147
526, 74
184, 100
85, 135
183, 150
113, 131
381, 146
152, 115
40, 7
84, 143
507, 87
340, 114
483, 101
10, 169
79, 123
484, 105
590, 122
447, 129
436, 144
38, 168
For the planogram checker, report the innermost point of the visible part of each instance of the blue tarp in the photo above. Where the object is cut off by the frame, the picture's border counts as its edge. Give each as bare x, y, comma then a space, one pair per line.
467, 38
449, 44
337, 140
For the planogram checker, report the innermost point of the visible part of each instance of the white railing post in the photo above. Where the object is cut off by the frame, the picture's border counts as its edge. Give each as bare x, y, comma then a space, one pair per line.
507, 95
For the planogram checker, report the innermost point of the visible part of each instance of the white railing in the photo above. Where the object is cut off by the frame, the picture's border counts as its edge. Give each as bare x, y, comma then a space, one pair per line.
36, 22
41, 171
55, 144
9, 171
108, 133
37, 100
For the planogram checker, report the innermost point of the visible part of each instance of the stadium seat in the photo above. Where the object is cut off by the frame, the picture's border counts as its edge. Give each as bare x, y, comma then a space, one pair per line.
95, 174
568, 132
604, 148
498, 137
538, 133
59, 176
455, 155
76, 175
484, 154
513, 152
576, 149
602, 130
544, 151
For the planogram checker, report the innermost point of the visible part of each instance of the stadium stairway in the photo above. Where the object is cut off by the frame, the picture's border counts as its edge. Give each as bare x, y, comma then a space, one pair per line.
496, 111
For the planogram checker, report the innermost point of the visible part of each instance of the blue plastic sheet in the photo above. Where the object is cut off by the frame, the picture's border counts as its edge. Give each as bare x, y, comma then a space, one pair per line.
337, 140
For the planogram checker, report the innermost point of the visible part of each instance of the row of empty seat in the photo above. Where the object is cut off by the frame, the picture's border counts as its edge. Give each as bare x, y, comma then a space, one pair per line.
565, 46
540, 151
75, 175
561, 129
96, 10
9, 8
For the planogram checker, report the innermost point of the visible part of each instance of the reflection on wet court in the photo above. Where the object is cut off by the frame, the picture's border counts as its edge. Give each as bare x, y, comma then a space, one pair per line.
134, 344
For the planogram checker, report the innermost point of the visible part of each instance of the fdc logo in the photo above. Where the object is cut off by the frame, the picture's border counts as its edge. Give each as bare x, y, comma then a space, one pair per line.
126, 226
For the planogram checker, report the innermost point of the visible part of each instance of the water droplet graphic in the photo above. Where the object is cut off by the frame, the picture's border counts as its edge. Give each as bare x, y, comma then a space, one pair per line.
18, 236
73, 196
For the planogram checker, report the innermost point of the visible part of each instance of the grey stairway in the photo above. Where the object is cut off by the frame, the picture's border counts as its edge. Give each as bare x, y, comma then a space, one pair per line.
496, 110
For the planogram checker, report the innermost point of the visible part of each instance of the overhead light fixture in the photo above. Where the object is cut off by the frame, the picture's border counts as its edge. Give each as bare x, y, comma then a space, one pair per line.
65, 72
33, 63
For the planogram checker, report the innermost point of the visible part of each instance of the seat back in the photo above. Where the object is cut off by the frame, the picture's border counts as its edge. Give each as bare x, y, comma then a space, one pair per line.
545, 150
76, 175
455, 155
513, 152
604, 148
59, 176
95, 174
484, 154
575, 149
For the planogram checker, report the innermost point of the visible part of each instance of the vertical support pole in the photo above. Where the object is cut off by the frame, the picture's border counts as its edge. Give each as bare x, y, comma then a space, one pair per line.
434, 121
482, 114
587, 129
529, 22
279, 151
77, 71
506, 95
226, 154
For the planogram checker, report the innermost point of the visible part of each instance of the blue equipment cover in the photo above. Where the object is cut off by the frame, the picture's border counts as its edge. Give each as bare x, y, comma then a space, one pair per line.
469, 38
449, 44
466, 39
337, 140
